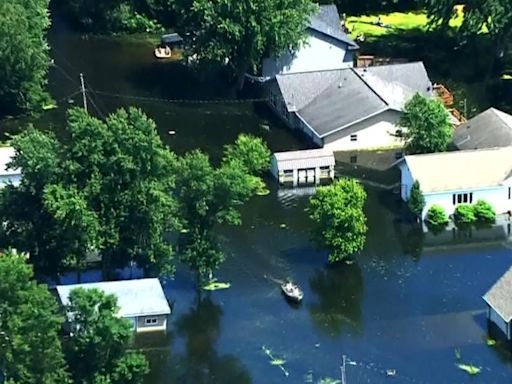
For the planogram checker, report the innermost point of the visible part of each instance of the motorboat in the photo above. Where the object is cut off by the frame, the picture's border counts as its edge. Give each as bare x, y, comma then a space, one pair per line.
292, 291
163, 52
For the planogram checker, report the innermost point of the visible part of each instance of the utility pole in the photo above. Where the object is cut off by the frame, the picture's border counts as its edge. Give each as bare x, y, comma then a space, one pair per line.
83, 91
343, 372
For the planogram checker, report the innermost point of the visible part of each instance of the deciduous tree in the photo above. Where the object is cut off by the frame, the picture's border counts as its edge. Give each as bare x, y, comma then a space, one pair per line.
340, 221
97, 348
426, 125
24, 58
105, 191
30, 323
209, 196
240, 33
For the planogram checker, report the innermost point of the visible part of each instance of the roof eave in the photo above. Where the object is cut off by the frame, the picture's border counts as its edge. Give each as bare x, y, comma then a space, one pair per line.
355, 122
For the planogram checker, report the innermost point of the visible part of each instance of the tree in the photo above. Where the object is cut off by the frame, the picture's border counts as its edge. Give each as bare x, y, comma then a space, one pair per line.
209, 196
337, 210
24, 59
464, 214
484, 212
426, 125
416, 201
30, 349
240, 33
110, 15
97, 348
436, 216
105, 191
493, 16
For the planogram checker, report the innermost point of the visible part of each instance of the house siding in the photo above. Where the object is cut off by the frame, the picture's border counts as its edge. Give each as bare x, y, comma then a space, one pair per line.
497, 196
376, 132
160, 325
319, 52
495, 317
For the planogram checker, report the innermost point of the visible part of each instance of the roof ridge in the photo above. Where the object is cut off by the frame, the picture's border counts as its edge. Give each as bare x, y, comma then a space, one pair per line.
500, 114
361, 77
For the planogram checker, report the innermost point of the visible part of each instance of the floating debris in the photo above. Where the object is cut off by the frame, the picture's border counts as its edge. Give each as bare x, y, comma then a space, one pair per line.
171, 132
328, 380
276, 361
282, 225
216, 285
184, 230
47, 107
469, 368
263, 191
390, 372
491, 342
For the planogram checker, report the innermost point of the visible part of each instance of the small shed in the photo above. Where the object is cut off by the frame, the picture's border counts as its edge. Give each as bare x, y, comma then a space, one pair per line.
140, 301
172, 40
8, 176
312, 166
499, 304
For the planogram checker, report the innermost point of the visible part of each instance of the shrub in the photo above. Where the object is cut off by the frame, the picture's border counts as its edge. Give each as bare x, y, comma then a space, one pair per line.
484, 212
416, 202
436, 216
464, 214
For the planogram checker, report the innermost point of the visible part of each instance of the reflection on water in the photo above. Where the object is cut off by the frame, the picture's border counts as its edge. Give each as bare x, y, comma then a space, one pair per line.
338, 293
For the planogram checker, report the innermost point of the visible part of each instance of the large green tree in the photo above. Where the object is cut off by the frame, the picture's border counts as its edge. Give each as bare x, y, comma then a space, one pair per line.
240, 33
97, 348
426, 125
337, 211
24, 59
209, 196
491, 16
105, 190
30, 323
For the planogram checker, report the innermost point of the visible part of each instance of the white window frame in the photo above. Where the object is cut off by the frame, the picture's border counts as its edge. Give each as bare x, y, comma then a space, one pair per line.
151, 321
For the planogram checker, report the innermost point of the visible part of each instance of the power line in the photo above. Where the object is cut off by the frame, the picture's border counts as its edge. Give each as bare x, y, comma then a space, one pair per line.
183, 101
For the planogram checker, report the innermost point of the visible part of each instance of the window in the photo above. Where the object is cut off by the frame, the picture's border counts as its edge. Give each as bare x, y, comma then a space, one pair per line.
462, 198
509, 193
353, 159
353, 137
151, 321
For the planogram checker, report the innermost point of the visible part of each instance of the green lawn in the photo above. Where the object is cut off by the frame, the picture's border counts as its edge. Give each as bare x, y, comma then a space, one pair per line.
393, 22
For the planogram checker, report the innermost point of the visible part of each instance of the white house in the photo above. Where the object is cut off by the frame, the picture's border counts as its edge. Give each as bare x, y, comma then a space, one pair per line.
8, 176
140, 301
326, 47
312, 166
489, 129
352, 108
499, 304
451, 178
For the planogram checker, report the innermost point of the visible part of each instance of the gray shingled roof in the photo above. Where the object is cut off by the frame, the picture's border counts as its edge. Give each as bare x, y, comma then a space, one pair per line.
491, 128
499, 297
333, 100
343, 102
327, 21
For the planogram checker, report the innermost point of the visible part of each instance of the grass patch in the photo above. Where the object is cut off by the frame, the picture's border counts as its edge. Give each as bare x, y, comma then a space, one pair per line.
393, 22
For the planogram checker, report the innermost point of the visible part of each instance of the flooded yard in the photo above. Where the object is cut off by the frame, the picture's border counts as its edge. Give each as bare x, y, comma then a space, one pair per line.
402, 307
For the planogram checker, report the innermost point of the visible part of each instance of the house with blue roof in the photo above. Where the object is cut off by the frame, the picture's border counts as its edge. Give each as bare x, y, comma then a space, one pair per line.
327, 46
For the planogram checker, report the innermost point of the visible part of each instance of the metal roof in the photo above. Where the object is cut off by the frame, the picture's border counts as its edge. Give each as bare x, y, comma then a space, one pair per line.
141, 297
309, 158
6, 155
171, 38
461, 170
327, 21
499, 297
335, 99
491, 128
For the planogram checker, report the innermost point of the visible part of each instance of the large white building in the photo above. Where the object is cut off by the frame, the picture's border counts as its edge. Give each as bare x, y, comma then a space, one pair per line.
349, 109
326, 47
451, 178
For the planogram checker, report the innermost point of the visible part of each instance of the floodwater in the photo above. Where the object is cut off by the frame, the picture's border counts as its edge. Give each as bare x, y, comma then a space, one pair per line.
408, 304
